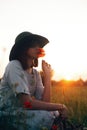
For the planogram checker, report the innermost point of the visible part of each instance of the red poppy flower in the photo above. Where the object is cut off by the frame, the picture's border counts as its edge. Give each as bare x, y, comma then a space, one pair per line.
27, 105
54, 127
41, 53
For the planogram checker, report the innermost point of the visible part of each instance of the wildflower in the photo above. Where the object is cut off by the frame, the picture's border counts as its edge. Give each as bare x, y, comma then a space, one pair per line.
54, 127
27, 105
41, 52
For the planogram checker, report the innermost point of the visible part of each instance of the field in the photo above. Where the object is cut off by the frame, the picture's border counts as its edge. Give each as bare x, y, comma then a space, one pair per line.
75, 98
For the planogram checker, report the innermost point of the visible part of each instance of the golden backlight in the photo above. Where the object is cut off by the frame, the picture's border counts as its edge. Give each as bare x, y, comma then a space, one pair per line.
63, 22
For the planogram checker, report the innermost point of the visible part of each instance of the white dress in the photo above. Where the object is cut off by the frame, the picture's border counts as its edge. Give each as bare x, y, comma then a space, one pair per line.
16, 80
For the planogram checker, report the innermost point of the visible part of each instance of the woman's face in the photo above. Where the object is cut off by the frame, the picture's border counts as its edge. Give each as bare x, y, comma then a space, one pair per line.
33, 52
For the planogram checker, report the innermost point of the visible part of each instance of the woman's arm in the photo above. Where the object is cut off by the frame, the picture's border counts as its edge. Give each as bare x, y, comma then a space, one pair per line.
46, 94
47, 81
40, 105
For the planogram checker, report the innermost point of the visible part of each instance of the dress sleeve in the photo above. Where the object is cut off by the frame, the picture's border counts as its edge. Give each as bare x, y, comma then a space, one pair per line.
16, 78
39, 87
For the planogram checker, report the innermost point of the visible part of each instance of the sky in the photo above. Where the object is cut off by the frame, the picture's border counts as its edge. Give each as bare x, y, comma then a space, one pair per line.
63, 22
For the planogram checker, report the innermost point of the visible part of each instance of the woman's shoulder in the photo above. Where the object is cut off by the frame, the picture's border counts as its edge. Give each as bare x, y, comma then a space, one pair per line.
14, 64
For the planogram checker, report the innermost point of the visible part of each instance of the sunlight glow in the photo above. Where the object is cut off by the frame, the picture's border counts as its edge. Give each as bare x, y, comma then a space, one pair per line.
64, 23
68, 78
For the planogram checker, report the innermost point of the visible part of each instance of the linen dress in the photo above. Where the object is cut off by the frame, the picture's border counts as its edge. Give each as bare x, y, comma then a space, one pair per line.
15, 81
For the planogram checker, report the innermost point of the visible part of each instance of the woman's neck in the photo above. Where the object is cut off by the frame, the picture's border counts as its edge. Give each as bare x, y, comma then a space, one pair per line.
30, 70
30, 64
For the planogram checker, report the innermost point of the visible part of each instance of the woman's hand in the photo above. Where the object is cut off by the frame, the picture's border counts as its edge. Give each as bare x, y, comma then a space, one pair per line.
63, 111
46, 69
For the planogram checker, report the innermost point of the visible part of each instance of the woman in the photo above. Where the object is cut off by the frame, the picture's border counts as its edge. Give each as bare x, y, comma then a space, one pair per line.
23, 98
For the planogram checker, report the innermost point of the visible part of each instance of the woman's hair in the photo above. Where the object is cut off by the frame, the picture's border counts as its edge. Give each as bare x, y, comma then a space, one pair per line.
23, 58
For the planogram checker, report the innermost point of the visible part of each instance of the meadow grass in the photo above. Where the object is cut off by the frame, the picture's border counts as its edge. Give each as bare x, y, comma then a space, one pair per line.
75, 98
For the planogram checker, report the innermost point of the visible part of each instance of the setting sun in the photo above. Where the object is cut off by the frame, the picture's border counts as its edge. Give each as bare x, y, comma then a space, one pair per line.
68, 78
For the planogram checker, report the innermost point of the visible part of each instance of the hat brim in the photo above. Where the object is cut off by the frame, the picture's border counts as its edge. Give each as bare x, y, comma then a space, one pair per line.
41, 41
26, 39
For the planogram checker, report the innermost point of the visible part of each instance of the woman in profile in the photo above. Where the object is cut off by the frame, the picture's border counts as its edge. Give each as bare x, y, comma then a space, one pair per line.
23, 97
